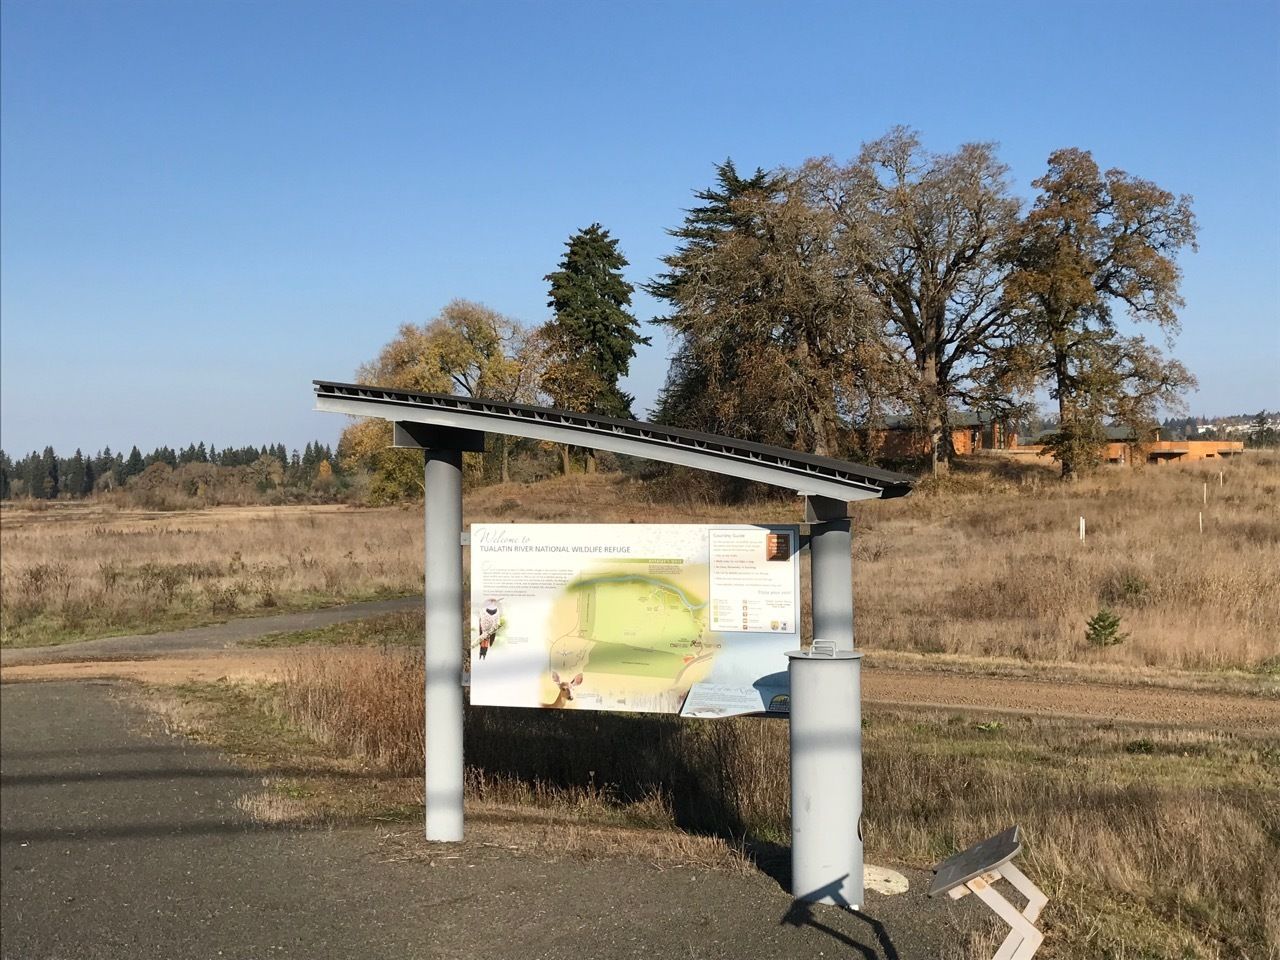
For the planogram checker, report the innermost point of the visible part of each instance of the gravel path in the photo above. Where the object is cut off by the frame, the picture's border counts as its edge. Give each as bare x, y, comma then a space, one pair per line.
120, 841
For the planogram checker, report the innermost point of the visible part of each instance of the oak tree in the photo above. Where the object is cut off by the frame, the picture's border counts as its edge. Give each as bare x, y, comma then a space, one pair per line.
1096, 243
922, 234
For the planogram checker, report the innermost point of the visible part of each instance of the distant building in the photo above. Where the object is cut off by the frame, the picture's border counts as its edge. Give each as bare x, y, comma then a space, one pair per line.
1124, 446
903, 437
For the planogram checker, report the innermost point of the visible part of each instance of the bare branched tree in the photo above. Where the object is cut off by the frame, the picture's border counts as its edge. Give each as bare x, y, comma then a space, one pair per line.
922, 233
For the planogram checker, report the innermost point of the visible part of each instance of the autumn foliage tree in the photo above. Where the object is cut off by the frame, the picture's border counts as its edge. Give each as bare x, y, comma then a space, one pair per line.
467, 349
1097, 243
921, 233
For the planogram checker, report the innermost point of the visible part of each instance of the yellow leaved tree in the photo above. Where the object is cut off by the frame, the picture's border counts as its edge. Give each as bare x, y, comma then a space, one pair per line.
466, 349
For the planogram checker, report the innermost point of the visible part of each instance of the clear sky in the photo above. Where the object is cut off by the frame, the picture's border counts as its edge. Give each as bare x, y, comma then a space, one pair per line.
205, 205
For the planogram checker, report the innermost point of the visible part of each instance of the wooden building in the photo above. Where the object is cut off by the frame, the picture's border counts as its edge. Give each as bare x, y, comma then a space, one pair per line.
901, 438
1124, 447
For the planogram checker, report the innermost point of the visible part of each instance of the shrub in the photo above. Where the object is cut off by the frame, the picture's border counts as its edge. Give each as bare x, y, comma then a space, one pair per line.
1103, 629
222, 598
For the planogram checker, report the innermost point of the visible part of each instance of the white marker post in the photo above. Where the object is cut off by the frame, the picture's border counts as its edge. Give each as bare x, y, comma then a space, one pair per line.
1082, 529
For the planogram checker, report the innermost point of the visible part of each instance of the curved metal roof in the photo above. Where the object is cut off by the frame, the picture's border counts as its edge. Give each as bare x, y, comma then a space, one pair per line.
802, 472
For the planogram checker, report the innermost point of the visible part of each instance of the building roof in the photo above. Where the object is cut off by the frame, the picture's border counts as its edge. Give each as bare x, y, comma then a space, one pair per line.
1114, 433
804, 473
957, 418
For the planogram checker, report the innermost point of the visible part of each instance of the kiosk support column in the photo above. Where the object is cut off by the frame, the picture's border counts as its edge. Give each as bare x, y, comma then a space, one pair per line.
443, 655
444, 621
831, 572
826, 776
826, 724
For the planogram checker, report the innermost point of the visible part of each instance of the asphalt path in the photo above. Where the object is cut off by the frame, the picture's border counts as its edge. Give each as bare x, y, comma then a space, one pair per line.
118, 840
196, 641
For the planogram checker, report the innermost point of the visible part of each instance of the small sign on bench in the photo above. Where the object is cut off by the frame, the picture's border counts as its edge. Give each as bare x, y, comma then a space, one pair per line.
976, 870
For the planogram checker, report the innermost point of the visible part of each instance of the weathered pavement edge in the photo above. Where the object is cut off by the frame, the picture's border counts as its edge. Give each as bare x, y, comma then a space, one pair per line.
121, 841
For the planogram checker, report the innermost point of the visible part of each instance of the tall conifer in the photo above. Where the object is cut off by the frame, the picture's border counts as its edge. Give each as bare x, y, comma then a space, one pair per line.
593, 336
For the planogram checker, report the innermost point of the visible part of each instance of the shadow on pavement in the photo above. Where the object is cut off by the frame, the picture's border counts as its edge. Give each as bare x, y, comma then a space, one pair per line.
801, 914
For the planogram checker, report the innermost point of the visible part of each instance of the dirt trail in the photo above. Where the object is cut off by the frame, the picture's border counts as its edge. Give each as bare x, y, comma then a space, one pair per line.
209, 653
915, 689
1122, 703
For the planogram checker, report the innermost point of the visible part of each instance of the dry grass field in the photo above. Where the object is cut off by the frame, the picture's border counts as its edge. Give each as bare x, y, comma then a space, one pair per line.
75, 571
984, 563
1150, 843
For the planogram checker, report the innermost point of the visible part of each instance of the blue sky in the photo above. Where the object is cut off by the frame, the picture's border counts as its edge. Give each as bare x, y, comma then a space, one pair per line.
206, 205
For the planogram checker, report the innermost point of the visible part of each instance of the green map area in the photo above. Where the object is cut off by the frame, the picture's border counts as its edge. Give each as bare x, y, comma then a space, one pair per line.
640, 625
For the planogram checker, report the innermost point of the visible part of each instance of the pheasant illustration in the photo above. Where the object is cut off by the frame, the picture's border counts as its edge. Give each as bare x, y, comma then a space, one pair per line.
490, 621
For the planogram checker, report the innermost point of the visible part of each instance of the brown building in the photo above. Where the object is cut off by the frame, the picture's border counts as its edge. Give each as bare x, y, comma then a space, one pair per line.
1124, 447
901, 437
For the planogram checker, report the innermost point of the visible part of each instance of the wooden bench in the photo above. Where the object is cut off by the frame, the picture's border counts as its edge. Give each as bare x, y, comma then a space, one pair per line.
976, 869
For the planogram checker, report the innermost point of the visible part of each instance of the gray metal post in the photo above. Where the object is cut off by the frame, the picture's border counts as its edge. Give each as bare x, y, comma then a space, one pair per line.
826, 776
831, 570
444, 627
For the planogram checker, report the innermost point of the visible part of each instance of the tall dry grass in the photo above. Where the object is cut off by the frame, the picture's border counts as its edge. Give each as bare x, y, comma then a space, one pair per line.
77, 570
1150, 844
986, 562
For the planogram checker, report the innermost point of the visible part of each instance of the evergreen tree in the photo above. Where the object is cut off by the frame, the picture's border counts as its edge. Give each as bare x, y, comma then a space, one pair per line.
701, 362
48, 486
202, 455
89, 479
592, 336
134, 465
6, 475
33, 474
75, 475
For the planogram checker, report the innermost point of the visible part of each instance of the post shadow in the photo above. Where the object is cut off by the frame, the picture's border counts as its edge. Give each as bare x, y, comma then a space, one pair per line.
801, 914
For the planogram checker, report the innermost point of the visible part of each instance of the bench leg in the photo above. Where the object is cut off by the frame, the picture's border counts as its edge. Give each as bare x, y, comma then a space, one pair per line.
1022, 883
1023, 939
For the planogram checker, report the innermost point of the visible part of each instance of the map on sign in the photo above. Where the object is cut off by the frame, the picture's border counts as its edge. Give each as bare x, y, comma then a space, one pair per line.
667, 618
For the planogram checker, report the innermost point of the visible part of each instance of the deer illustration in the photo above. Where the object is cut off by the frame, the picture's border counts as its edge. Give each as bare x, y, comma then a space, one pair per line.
566, 691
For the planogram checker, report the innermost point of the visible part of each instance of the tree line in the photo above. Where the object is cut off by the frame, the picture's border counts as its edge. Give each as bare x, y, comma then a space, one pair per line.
806, 304
43, 475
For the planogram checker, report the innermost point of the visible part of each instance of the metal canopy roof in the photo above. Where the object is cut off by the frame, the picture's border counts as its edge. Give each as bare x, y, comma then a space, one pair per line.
802, 472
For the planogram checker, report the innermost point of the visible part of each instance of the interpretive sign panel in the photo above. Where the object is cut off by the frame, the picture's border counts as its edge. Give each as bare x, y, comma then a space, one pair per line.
660, 618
